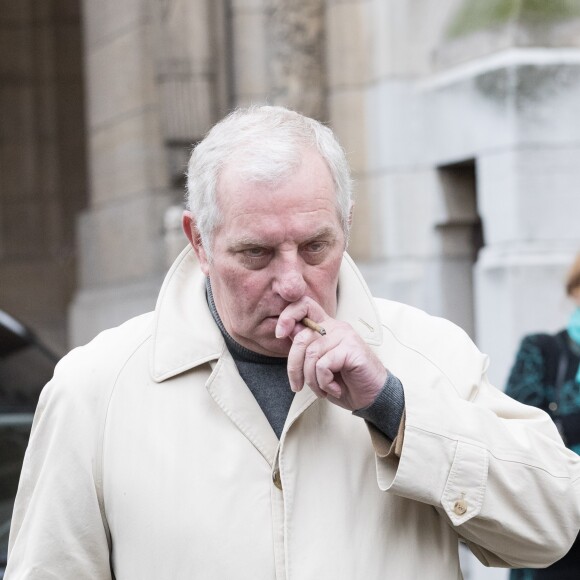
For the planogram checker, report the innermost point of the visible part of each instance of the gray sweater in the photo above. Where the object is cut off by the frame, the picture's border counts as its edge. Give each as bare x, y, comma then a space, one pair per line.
267, 379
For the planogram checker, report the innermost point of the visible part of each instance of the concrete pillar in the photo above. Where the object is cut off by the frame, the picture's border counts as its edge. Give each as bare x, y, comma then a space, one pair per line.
249, 53
296, 63
156, 79
121, 255
278, 54
42, 161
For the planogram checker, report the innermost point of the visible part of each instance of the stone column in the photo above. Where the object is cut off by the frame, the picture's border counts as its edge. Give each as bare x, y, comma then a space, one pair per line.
249, 52
42, 161
187, 67
279, 54
120, 235
155, 84
296, 58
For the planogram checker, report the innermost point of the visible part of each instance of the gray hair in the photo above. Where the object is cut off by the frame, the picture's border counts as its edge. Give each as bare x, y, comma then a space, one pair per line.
267, 144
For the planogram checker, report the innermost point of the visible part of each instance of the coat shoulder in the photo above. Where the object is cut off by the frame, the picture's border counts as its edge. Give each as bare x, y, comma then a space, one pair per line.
437, 341
92, 367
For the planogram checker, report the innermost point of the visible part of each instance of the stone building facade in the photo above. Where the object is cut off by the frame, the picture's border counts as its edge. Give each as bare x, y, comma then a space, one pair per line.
459, 117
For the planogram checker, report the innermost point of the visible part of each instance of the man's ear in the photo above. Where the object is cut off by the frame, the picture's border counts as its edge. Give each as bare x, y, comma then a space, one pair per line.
190, 229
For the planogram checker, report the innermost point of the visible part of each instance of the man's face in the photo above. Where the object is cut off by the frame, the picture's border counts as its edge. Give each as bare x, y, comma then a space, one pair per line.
275, 245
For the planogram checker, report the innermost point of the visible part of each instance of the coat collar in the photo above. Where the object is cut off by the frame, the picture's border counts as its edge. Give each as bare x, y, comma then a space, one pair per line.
185, 334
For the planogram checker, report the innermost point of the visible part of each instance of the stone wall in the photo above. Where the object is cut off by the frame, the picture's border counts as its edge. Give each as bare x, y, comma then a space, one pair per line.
155, 85
42, 161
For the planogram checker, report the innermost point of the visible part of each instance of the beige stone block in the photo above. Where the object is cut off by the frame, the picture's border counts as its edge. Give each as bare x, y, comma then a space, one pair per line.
185, 31
349, 43
31, 228
187, 108
70, 101
47, 174
68, 51
530, 194
17, 60
405, 34
348, 118
123, 242
250, 55
67, 9
361, 244
22, 229
106, 19
37, 292
403, 214
36, 289
45, 62
15, 12
18, 171
45, 112
388, 26
249, 4
41, 11
16, 104
121, 77
249, 100
127, 158
96, 309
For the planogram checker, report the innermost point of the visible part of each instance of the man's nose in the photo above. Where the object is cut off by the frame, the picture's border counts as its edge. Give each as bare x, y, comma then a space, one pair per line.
290, 283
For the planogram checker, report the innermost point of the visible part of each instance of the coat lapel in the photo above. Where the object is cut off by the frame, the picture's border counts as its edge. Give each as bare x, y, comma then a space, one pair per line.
232, 395
186, 335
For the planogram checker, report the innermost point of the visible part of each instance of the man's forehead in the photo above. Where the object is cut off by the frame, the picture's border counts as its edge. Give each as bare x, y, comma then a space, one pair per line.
247, 239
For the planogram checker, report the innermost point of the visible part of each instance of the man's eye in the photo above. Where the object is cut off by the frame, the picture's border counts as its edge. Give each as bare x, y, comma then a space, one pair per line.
316, 247
255, 252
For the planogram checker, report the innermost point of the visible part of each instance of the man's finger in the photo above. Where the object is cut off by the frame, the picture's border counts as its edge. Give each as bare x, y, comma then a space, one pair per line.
294, 313
296, 358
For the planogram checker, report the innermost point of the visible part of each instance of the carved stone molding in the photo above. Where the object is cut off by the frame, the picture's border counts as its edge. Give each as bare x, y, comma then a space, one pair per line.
185, 71
296, 41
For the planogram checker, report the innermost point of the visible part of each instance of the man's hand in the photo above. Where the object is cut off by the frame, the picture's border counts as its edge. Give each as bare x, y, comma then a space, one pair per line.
339, 366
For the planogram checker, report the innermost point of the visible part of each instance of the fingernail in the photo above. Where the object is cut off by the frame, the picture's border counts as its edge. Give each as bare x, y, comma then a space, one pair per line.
278, 332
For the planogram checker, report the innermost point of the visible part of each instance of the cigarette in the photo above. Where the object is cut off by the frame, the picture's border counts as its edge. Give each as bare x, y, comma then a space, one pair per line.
313, 326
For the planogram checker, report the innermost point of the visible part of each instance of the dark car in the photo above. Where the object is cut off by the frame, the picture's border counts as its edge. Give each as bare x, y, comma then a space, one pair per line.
26, 365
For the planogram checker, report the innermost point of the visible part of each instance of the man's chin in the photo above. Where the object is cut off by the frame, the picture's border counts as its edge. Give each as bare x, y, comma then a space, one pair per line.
261, 339
266, 343
273, 347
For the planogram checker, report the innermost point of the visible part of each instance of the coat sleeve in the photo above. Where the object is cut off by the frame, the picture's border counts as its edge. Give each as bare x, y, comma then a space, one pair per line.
58, 527
495, 469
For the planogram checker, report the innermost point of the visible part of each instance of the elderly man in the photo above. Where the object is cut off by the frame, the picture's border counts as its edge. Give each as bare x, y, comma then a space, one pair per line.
271, 420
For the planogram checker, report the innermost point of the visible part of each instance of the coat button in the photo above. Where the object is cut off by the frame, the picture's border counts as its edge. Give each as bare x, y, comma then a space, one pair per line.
460, 507
276, 478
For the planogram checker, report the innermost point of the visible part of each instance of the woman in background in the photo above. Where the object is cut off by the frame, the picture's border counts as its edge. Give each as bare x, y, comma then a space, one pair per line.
546, 374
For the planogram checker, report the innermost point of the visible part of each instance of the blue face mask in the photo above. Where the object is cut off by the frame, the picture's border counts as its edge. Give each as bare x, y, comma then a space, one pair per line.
574, 326
573, 329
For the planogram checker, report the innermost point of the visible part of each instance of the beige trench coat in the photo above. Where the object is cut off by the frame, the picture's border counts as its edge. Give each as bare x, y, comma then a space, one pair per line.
150, 459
